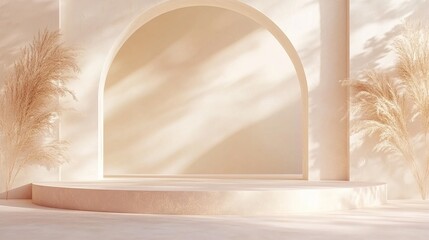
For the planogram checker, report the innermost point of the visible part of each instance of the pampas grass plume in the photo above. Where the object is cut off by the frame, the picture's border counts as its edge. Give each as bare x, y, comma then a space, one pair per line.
385, 104
29, 106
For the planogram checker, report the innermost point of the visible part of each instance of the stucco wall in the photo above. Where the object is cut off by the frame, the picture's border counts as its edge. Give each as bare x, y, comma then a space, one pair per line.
20, 20
202, 90
373, 26
317, 29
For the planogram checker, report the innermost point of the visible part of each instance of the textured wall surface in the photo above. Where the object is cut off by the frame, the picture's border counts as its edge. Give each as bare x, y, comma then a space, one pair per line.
316, 28
312, 26
202, 90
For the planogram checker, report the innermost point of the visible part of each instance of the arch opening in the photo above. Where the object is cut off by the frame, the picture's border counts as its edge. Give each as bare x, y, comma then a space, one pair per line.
184, 91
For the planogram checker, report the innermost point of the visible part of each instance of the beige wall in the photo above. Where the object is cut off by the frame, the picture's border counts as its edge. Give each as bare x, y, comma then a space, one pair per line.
316, 28
373, 26
202, 90
20, 20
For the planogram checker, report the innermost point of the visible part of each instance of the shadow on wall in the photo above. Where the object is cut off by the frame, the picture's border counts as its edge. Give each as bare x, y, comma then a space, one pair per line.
382, 25
20, 20
229, 154
215, 93
378, 47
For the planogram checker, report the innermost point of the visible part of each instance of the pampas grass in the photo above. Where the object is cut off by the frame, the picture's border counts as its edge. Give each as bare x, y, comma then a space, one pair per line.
29, 106
386, 104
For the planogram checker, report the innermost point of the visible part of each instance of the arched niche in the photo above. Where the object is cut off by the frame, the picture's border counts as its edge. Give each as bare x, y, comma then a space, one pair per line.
203, 88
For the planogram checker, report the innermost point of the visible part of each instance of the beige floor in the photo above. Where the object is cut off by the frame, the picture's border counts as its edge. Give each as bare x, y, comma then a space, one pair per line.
397, 220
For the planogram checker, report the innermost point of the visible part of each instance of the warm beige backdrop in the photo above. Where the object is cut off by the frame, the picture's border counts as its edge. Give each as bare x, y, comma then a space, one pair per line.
202, 90
317, 29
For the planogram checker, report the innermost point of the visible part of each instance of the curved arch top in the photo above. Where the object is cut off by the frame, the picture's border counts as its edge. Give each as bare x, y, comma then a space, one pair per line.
235, 6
